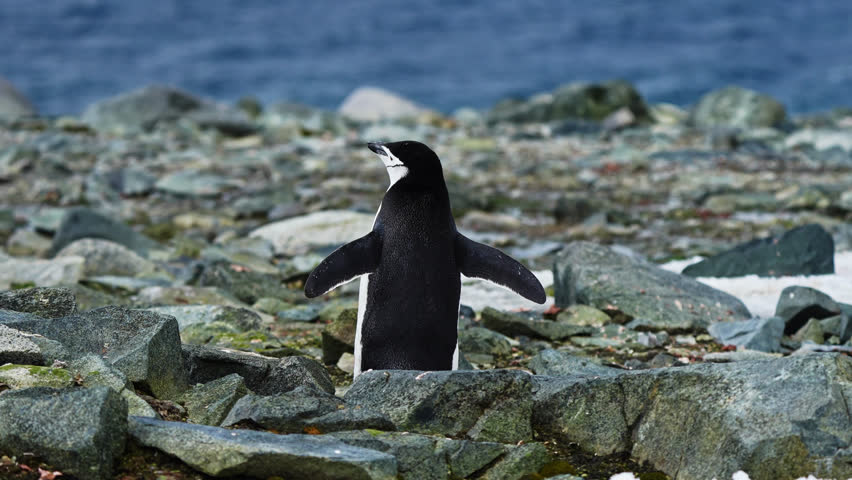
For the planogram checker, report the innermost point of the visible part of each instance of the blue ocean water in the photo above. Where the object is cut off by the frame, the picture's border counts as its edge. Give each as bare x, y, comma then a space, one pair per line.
65, 54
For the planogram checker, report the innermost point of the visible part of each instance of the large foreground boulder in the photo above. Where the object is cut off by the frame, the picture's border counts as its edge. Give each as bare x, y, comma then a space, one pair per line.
144, 346
592, 274
242, 453
773, 419
490, 405
80, 431
805, 250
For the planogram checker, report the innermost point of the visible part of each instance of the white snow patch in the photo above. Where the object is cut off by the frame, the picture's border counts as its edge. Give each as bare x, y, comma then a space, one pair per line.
478, 294
760, 294
623, 476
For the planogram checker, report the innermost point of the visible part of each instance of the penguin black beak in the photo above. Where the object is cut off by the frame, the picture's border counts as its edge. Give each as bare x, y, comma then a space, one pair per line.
376, 147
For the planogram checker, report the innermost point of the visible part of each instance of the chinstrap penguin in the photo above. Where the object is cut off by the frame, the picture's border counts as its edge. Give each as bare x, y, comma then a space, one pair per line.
410, 266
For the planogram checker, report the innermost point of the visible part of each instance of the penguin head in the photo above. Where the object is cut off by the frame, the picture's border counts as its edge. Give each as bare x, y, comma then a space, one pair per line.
411, 160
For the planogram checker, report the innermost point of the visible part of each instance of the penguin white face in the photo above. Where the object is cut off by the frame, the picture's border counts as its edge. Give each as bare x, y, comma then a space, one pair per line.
396, 168
411, 160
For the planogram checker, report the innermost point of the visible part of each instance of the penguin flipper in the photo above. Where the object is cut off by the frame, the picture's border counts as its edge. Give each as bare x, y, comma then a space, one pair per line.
352, 260
481, 261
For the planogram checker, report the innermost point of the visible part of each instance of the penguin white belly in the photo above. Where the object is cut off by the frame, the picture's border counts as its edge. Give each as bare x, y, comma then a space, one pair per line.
362, 307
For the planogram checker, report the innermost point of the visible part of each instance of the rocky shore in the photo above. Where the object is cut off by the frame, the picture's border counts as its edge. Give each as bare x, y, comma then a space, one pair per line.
154, 249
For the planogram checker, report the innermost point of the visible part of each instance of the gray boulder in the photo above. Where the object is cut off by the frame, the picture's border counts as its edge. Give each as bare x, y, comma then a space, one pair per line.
739, 108
144, 346
489, 405
147, 107
484, 341
242, 453
796, 305
82, 222
12, 102
577, 101
761, 334
104, 257
42, 301
779, 418
24, 348
515, 324
595, 275
263, 375
305, 409
370, 104
81, 431
246, 285
42, 273
16, 347
209, 404
298, 235
805, 250
555, 362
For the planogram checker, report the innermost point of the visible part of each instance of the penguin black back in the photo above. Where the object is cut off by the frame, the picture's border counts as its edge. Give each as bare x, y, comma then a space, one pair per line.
410, 266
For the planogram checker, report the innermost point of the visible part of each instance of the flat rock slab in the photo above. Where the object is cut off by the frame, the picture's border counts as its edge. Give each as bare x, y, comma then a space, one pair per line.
489, 405
262, 375
144, 346
805, 250
516, 324
242, 319
595, 275
304, 410
296, 236
555, 362
81, 431
42, 301
426, 457
780, 418
224, 453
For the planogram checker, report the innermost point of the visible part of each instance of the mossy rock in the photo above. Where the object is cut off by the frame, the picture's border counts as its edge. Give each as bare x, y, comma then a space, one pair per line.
26, 376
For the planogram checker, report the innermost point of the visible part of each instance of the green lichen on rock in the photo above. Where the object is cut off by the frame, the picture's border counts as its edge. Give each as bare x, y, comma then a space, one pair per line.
26, 376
